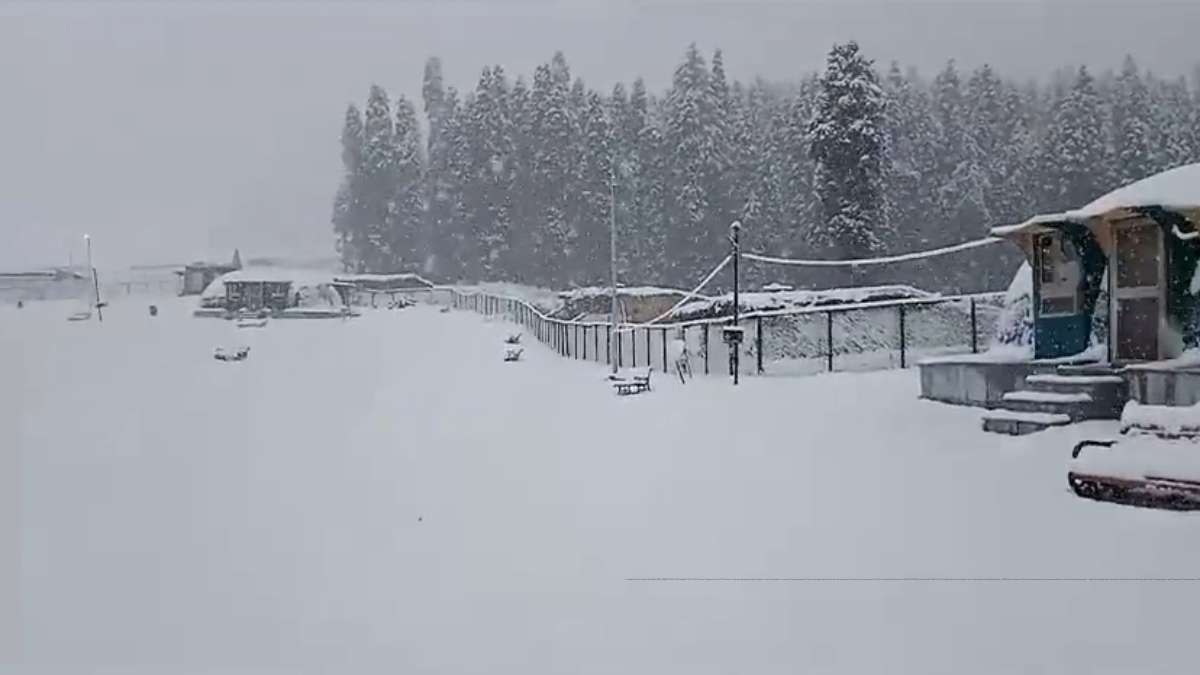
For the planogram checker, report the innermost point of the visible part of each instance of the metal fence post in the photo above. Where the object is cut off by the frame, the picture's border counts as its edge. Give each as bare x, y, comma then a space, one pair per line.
974, 330
585, 342
649, 355
903, 356
620, 349
758, 343
664, 349
607, 344
829, 340
704, 341
633, 347
596, 342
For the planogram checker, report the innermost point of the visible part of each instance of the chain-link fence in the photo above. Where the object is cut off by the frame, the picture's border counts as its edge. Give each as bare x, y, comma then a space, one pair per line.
863, 336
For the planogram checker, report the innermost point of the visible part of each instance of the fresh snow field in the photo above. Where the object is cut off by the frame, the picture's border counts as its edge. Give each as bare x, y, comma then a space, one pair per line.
385, 495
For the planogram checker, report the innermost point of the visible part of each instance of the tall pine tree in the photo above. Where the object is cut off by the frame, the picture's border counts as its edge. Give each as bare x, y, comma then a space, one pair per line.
848, 146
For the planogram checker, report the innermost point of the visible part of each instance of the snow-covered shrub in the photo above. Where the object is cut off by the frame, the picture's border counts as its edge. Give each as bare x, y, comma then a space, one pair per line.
1015, 324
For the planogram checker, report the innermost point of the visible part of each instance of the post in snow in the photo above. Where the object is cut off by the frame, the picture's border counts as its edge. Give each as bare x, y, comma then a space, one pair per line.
734, 333
612, 263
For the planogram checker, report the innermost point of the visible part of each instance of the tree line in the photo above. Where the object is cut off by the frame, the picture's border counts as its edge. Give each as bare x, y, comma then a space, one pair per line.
518, 179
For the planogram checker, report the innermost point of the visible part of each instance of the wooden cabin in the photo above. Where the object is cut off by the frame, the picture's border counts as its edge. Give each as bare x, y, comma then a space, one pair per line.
258, 294
1128, 259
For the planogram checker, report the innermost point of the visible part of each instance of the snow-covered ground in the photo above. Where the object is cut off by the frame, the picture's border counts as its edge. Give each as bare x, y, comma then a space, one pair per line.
385, 495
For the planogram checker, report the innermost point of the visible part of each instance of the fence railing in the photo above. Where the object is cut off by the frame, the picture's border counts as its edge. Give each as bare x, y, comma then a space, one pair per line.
862, 336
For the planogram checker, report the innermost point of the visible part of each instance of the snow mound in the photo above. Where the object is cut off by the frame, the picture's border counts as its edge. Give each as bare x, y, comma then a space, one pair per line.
1168, 419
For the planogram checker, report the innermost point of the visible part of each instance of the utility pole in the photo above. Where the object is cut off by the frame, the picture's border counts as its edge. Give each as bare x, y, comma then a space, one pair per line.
612, 262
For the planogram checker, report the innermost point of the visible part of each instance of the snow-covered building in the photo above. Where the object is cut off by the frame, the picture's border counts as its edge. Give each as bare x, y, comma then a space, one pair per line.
279, 290
1147, 234
1110, 293
51, 284
635, 304
195, 277
361, 289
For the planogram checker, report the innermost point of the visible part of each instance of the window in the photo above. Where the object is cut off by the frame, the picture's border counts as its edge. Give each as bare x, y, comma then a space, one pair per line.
1059, 273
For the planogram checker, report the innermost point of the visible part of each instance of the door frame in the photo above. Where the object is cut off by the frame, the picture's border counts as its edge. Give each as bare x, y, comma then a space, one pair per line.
1159, 292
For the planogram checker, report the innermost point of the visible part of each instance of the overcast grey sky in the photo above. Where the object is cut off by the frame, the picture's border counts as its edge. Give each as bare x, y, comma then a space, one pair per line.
177, 130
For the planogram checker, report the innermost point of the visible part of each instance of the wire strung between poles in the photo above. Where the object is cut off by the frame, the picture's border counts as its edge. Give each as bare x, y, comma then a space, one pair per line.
688, 297
861, 262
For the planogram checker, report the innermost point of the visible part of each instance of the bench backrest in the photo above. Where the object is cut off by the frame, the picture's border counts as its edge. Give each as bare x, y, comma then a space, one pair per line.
1139, 428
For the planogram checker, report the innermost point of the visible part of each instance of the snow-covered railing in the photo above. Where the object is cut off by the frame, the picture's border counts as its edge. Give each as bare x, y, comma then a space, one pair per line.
856, 336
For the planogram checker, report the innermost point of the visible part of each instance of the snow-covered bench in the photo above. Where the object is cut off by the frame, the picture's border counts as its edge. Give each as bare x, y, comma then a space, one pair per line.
631, 383
1155, 462
222, 354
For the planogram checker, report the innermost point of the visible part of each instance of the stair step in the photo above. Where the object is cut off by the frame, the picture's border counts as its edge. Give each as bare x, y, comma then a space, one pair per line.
1088, 369
1017, 423
1081, 380
1052, 397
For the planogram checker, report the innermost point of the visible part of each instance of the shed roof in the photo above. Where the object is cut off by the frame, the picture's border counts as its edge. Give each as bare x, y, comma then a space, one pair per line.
1176, 189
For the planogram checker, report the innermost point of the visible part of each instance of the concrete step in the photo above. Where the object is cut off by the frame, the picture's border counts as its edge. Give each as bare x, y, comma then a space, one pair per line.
1075, 380
1110, 388
1088, 369
1017, 423
1076, 405
1030, 396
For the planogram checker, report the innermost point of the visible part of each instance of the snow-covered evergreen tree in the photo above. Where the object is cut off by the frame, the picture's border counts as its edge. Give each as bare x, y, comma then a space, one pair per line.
951, 141
645, 233
1132, 125
347, 205
1073, 152
510, 178
378, 181
488, 199
848, 145
1174, 121
688, 110
408, 201
522, 260
439, 185
552, 157
591, 251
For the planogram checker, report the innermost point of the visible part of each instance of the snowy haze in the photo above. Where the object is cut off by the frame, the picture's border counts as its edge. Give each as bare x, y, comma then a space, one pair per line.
172, 131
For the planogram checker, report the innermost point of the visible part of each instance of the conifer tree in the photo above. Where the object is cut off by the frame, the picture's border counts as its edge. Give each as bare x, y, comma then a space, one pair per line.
848, 146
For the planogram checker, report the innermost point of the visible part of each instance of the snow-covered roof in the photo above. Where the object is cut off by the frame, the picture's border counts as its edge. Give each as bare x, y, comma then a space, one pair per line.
624, 291
779, 300
1175, 189
385, 279
295, 276
1032, 223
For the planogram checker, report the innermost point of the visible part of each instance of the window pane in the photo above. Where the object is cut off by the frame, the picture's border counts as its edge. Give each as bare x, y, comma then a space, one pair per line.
1137, 256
